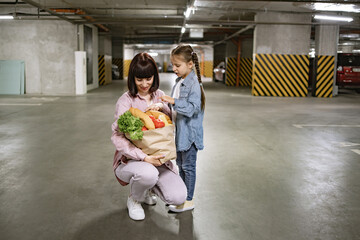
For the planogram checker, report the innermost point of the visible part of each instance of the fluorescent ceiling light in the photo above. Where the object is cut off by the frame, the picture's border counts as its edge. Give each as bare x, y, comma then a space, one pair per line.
153, 54
336, 7
196, 33
351, 35
6, 17
183, 30
188, 11
334, 18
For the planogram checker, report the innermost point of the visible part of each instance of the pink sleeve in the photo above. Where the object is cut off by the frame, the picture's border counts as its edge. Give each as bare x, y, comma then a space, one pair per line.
166, 109
122, 144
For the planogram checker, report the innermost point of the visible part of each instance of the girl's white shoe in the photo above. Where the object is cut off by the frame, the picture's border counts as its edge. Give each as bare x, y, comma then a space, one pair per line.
186, 206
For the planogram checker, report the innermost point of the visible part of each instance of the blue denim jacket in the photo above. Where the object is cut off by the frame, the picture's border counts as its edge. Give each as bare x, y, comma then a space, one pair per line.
189, 118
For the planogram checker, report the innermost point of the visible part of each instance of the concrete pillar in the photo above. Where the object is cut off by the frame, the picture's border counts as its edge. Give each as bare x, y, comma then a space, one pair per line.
326, 45
247, 45
105, 45
281, 55
280, 38
326, 40
105, 49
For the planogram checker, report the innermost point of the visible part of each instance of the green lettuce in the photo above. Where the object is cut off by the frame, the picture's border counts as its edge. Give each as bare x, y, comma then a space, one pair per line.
132, 125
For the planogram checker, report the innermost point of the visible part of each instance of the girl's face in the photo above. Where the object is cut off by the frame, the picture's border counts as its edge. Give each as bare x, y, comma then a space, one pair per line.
180, 67
143, 85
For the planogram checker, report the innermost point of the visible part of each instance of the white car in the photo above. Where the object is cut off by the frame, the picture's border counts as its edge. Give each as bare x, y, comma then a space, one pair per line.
115, 72
219, 72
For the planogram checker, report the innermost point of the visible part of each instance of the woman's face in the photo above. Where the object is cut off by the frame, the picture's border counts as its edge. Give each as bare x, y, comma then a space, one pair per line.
143, 85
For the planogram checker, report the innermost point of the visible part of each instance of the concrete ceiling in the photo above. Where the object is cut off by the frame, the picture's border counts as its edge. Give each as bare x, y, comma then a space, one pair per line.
161, 21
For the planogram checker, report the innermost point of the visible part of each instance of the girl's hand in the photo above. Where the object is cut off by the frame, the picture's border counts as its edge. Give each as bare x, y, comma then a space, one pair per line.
155, 107
168, 99
154, 160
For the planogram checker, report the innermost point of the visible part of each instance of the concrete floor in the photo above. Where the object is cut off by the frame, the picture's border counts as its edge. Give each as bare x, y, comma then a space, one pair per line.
272, 168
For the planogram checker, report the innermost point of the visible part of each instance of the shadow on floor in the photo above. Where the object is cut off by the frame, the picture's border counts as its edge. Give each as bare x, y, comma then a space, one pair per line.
118, 225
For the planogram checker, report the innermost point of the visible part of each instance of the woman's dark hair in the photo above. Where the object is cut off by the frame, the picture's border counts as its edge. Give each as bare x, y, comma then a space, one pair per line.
142, 66
188, 54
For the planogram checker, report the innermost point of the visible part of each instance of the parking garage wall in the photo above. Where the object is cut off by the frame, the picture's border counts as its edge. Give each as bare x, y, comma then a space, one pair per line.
47, 47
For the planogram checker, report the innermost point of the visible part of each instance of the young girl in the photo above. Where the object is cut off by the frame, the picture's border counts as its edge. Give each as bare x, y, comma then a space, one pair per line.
146, 174
188, 102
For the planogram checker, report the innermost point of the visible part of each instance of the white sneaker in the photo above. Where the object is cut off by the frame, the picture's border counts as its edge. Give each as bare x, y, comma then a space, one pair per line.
150, 198
136, 212
186, 206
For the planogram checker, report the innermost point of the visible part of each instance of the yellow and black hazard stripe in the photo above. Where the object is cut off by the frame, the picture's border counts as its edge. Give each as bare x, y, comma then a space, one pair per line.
231, 72
245, 71
325, 76
126, 67
208, 71
280, 75
101, 69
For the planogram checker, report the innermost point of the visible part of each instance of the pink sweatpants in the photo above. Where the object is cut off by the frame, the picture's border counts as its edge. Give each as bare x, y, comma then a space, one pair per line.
143, 176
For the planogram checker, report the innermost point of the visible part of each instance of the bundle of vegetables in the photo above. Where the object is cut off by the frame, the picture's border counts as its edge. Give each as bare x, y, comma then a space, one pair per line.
131, 124
135, 121
159, 119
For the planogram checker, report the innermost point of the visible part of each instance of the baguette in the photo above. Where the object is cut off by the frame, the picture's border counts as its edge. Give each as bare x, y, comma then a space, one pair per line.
156, 114
148, 123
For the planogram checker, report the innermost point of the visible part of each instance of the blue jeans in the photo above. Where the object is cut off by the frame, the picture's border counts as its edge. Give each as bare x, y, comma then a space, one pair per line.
186, 162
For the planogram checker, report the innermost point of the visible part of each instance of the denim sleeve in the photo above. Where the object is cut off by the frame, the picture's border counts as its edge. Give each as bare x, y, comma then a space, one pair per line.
189, 103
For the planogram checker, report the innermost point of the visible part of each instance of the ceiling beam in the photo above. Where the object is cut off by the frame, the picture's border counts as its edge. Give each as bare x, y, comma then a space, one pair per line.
37, 5
235, 34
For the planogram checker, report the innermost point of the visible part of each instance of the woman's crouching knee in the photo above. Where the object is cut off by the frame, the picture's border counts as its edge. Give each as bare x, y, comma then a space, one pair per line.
147, 178
177, 197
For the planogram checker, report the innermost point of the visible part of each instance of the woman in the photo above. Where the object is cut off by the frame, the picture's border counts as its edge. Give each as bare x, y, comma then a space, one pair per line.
145, 174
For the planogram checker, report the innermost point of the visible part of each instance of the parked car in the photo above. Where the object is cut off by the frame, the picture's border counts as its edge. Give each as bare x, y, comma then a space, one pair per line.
169, 68
115, 72
348, 71
160, 69
219, 72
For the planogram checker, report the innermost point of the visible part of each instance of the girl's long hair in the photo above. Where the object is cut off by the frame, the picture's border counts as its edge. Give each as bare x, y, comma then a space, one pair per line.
187, 52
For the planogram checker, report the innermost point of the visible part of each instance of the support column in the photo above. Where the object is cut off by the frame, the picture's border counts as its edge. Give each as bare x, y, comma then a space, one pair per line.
105, 60
326, 44
281, 55
238, 62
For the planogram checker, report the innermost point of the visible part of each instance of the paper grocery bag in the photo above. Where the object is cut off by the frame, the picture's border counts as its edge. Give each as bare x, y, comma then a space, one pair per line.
160, 141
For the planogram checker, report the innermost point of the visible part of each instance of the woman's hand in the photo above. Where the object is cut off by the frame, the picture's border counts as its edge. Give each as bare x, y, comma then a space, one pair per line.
154, 160
168, 99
